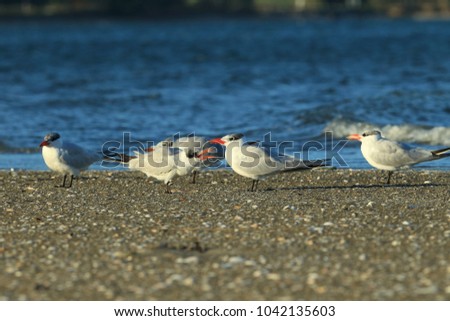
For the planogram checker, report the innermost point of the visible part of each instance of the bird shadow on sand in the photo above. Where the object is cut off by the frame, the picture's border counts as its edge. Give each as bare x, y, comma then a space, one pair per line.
50, 178
303, 188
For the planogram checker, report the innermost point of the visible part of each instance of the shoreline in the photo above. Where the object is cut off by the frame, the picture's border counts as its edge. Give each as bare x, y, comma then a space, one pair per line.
324, 234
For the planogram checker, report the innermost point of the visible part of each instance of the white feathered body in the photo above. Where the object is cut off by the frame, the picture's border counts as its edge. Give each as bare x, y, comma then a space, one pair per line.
252, 161
389, 155
163, 163
68, 158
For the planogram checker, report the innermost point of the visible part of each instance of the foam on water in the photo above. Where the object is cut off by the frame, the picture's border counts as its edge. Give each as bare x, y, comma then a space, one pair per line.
406, 133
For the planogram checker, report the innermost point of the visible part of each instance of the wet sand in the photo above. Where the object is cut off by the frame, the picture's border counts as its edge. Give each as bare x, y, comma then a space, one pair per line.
317, 235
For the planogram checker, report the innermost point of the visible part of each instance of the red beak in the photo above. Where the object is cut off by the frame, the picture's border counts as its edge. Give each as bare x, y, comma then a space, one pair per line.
354, 137
217, 141
44, 143
202, 155
150, 149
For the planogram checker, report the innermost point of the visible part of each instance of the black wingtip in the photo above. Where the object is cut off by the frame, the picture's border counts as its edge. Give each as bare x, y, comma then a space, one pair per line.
441, 152
317, 163
307, 164
117, 157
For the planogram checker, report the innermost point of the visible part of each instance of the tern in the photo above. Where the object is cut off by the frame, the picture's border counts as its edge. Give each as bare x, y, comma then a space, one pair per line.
252, 161
67, 158
164, 162
390, 155
191, 144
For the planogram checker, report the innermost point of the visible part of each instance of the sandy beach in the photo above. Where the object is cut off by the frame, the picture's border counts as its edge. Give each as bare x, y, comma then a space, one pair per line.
318, 235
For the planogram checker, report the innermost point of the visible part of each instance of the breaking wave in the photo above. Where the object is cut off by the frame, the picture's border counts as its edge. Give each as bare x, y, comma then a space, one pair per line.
407, 133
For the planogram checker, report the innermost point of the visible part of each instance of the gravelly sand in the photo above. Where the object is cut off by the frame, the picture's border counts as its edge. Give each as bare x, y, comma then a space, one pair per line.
317, 235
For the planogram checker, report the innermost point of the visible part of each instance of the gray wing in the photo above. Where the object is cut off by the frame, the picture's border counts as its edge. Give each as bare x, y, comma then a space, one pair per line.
78, 157
291, 162
398, 154
258, 161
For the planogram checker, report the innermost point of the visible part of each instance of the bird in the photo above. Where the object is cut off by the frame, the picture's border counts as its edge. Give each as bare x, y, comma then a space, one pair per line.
66, 158
192, 144
255, 162
389, 155
164, 162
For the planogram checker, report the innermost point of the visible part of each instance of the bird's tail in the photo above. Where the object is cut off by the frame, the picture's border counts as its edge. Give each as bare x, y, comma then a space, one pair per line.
299, 164
117, 157
441, 153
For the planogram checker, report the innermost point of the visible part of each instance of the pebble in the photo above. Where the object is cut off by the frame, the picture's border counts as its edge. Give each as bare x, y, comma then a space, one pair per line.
273, 277
187, 260
236, 260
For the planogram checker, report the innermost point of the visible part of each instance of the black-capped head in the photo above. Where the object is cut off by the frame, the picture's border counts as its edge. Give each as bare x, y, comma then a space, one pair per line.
372, 133
49, 138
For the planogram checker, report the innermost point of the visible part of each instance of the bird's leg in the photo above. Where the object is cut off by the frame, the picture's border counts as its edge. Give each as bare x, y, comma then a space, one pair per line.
389, 177
168, 191
71, 180
254, 185
64, 181
194, 175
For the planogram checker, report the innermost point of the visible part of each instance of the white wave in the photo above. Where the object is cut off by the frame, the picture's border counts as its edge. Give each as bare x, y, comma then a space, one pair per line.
406, 133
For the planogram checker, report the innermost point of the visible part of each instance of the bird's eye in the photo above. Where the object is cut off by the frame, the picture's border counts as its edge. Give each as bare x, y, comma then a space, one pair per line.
231, 138
364, 135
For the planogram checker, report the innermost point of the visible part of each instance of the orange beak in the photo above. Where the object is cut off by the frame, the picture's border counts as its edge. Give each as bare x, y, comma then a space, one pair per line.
217, 141
44, 143
354, 137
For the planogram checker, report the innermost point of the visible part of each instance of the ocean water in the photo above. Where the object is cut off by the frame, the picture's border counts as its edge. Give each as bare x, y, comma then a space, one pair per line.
93, 81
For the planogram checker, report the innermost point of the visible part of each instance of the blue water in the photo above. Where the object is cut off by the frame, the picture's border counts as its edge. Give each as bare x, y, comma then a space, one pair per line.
93, 80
